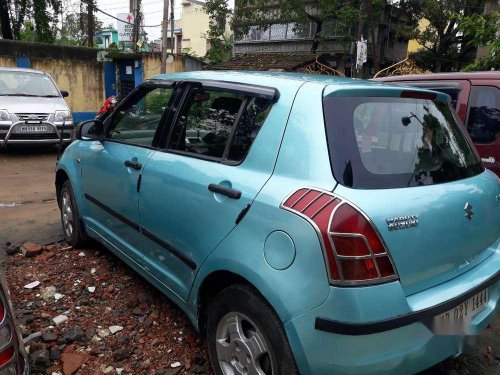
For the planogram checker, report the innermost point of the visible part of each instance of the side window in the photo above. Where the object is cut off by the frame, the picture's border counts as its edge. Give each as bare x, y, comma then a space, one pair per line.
251, 121
137, 121
483, 123
206, 122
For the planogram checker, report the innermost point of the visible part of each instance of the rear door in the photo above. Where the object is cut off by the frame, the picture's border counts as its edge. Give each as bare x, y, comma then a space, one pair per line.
195, 191
483, 122
402, 156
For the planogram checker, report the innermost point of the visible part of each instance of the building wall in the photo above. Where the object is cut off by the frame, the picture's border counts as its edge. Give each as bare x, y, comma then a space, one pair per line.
413, 45
194, 24
74, 69
179, 63
82, 79
7, 61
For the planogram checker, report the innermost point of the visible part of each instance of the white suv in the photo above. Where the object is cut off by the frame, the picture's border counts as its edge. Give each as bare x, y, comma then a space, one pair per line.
32, 109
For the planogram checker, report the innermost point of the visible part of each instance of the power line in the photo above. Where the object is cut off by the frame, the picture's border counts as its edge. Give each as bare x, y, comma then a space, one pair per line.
116, 18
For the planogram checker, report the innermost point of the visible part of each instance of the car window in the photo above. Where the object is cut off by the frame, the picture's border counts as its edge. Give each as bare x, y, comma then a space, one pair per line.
396, 142
137, 121
483, 123
251, 121
18, 83
206, 122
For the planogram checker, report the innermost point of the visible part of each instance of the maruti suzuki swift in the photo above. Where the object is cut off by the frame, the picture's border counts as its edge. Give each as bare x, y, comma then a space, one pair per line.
305, 224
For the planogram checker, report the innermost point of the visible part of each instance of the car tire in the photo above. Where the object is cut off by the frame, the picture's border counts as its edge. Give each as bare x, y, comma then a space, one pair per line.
242, 331
70, 219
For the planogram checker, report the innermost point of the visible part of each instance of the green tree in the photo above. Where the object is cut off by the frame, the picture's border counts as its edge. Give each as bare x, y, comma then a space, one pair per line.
42, 15
484, 31
74, 29
221, 45
445, 46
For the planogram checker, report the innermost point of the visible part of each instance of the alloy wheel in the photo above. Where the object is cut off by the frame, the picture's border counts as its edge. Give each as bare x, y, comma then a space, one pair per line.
241, 347
67, 214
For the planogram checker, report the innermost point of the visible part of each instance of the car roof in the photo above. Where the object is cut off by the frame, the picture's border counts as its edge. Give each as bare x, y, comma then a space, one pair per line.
442, 76
281, 80
25, 70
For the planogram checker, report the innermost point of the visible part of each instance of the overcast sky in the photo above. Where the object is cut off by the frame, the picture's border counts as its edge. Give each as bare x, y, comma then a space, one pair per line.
152, 10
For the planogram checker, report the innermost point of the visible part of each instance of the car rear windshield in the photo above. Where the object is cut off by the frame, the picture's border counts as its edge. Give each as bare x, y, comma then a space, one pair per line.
378, 142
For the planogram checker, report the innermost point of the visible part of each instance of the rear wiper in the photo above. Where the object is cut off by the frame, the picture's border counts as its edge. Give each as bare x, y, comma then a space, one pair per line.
48, 96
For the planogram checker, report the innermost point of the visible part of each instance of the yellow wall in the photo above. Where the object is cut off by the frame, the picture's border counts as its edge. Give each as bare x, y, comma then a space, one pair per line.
82, 79
7, 62
194, 24
413, 45
151, 64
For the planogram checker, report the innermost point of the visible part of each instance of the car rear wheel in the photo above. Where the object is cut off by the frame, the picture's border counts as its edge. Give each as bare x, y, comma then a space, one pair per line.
70, 219
245, 336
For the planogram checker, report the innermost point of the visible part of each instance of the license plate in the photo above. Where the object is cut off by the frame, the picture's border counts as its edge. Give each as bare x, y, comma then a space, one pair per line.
34, 129
457, 320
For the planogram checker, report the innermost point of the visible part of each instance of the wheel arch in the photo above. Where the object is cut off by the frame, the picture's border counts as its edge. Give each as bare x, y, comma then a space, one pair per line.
213, 284
61, 177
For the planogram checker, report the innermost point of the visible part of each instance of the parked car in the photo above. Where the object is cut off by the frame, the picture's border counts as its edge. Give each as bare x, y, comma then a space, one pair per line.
476, 98
13, 359
304, 223
32, 109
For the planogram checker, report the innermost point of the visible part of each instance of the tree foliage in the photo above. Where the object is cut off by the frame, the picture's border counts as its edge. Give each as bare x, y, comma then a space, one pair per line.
74, 32
448, 44
484, 31
221, 45
39, 15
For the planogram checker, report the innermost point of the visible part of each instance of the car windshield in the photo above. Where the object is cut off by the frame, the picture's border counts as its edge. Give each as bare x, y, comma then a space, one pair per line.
378, 142
18, 83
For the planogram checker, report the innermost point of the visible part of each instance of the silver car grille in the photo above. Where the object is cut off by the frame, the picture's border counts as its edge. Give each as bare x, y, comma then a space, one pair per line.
33, 116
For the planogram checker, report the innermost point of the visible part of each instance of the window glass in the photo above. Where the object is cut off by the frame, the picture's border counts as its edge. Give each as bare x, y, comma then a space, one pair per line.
206, 122
137, 122
249, 125
18, 83
396, 142
483, 123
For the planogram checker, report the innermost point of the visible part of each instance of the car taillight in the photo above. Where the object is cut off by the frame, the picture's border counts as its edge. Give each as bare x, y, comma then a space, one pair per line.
354, 251
11, 360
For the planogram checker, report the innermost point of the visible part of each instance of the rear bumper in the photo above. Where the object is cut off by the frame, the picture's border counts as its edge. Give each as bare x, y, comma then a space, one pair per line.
377, 329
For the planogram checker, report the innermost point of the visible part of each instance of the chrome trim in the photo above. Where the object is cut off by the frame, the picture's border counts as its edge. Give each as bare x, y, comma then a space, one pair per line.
343, 200
9, 133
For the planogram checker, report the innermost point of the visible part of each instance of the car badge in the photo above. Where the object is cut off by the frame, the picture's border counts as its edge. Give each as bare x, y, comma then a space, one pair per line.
33, 117
402, 222
468, 211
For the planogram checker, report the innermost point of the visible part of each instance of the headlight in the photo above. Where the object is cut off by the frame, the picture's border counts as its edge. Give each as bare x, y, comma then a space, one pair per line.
63, 116
4, 115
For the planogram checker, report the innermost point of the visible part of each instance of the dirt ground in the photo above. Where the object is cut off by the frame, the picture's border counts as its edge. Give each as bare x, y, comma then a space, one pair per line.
151, 335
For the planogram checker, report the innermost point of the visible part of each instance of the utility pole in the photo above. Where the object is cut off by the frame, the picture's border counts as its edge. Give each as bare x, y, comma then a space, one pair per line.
137, 24
90, 23
172, 26
164, 38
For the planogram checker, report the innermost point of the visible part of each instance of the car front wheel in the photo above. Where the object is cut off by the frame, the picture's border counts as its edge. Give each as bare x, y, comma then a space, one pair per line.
245, 336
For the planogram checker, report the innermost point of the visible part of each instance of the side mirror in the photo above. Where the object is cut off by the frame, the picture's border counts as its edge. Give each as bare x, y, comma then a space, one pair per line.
91, 130
64, 93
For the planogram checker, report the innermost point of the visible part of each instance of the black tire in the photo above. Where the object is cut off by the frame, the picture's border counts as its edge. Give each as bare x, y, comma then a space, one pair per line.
245, 302
77, 237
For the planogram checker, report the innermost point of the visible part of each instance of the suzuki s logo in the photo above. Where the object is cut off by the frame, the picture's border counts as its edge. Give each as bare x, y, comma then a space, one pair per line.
468, 211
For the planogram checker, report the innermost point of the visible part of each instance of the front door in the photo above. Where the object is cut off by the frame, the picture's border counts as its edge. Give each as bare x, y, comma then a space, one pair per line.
193, 192
112, 169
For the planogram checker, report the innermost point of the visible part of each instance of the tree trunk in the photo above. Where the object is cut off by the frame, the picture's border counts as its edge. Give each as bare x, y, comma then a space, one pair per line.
5, 20
315, 44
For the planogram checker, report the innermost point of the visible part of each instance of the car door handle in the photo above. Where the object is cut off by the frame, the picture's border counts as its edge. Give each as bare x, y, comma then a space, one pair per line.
227, 191
133, 164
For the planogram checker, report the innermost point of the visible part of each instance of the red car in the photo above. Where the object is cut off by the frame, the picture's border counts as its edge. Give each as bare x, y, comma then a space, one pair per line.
476, 98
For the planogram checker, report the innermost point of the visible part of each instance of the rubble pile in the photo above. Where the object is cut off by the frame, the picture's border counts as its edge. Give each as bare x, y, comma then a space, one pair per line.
85, 312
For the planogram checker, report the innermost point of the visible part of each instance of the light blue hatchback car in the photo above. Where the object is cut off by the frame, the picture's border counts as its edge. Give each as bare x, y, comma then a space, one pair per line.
305, 224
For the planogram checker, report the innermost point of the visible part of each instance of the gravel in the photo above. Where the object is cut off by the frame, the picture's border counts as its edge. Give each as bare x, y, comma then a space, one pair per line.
123, 325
